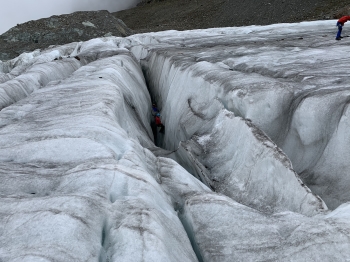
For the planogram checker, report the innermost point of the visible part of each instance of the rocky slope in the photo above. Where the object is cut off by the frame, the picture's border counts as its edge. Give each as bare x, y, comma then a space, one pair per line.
156, 15
57, 30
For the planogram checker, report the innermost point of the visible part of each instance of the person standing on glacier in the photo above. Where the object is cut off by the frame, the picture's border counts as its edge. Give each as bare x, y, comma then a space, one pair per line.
340, 25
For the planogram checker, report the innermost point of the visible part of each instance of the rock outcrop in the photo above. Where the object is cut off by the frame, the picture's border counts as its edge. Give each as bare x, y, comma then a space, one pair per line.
58, 30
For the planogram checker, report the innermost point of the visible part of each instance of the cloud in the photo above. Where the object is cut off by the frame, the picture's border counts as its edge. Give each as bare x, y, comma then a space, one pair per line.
19, 11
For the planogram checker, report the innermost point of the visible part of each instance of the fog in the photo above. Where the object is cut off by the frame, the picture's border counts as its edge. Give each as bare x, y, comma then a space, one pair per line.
19, 11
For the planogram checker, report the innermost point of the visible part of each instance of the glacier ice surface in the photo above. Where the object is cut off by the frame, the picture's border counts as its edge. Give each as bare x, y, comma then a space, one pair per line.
256, 129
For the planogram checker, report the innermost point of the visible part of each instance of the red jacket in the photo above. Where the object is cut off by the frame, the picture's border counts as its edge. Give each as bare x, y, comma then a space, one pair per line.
343, 19
158, 121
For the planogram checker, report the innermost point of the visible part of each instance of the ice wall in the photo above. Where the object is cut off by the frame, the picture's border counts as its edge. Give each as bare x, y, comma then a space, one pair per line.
287, 80
231, 155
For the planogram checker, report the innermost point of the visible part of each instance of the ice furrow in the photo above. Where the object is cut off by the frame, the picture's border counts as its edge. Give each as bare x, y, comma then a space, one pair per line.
31, 71
38, 76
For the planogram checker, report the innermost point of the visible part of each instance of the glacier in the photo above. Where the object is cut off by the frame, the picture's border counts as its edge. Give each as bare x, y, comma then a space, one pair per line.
252, 166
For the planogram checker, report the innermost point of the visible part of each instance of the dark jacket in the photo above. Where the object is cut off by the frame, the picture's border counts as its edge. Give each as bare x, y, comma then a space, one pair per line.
154, 110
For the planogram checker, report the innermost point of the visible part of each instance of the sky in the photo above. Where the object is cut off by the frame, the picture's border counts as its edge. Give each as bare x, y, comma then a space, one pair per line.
19, 11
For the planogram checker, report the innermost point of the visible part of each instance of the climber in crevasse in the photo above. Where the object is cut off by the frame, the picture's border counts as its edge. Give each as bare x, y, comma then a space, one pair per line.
155, 109
159, 123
